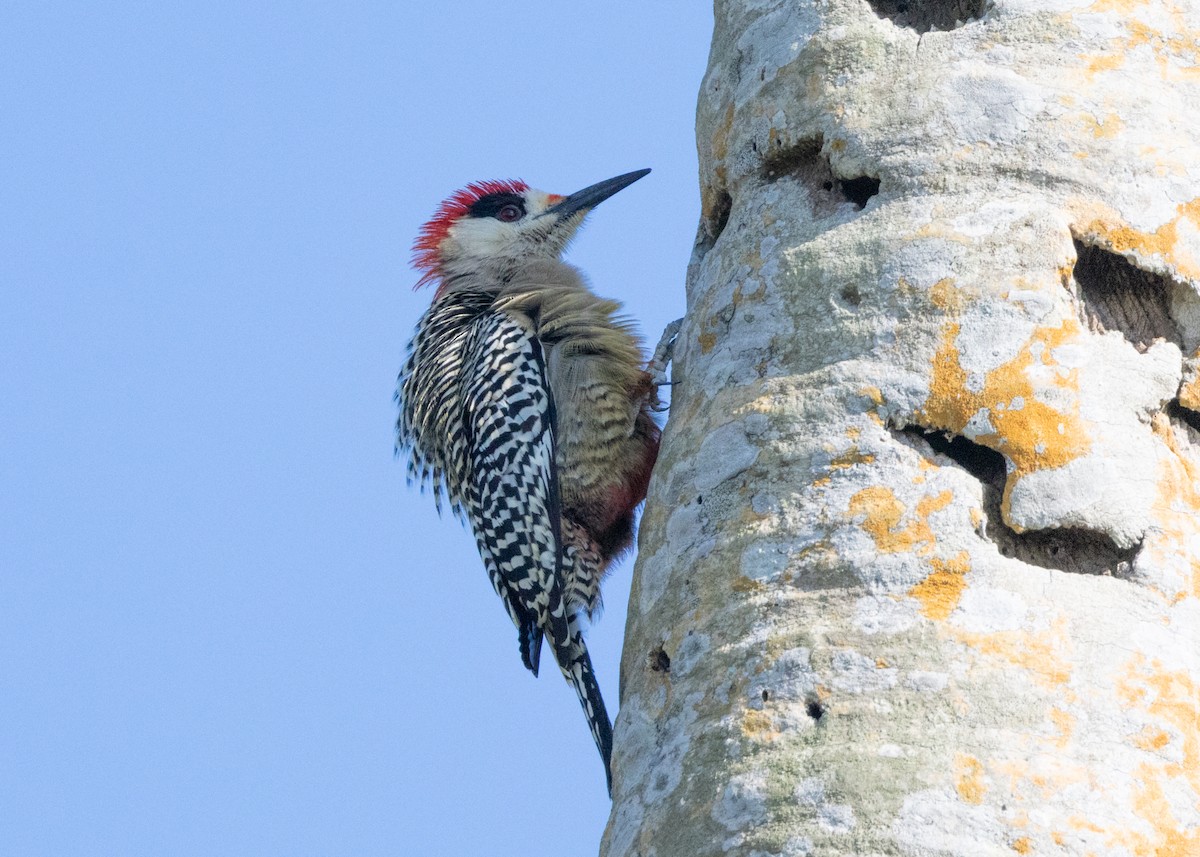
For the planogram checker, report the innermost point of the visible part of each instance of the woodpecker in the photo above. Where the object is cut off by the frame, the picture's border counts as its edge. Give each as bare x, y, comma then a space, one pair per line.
526, 404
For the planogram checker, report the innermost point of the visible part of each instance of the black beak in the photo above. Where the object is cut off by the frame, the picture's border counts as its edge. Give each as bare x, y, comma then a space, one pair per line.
590, 197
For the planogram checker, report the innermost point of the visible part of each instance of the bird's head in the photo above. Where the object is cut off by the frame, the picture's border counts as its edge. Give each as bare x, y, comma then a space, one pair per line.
493, 227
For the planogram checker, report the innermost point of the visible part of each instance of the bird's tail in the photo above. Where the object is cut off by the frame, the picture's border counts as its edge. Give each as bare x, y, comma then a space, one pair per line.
529, 638
576, 665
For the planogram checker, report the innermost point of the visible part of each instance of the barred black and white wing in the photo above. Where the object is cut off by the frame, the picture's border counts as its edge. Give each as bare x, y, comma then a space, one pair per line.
514, 507
512, 499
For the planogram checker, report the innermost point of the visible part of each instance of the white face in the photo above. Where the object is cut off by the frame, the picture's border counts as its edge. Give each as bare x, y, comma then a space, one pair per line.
493, 239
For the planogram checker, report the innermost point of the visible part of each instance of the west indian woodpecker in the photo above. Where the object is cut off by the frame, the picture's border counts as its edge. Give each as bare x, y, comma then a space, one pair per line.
526, 403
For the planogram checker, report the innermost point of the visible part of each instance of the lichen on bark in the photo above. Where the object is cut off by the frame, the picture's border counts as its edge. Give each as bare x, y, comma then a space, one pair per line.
919, 571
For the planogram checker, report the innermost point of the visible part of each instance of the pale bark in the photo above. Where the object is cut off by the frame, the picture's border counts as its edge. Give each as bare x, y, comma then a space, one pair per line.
849, 635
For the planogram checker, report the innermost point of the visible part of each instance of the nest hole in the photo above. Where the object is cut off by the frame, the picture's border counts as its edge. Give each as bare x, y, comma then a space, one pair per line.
805, 163
658, 661
1115, 295
1069, 549
924, 16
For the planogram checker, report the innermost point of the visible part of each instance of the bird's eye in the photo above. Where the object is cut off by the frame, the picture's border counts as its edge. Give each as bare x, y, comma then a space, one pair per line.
509, 213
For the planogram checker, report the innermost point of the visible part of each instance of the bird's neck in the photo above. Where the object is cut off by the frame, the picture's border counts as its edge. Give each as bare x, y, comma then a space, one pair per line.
500, 276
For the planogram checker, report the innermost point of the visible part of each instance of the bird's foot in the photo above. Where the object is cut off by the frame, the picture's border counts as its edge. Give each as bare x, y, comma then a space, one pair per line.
657, 367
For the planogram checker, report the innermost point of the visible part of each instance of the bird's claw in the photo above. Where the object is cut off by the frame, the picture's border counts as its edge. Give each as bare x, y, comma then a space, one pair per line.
657, 367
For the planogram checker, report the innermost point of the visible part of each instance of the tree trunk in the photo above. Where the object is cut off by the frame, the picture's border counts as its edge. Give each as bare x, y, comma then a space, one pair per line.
920, 566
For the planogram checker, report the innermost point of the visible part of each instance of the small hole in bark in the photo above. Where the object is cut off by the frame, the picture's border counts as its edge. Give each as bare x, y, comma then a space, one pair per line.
803, 162
1115, 295
860, 190
925, 15
1070, 549
851, 295
699, 499
815, 710
766, 695
658, 660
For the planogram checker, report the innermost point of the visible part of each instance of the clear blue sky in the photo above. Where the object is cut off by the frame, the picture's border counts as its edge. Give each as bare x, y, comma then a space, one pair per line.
226, 625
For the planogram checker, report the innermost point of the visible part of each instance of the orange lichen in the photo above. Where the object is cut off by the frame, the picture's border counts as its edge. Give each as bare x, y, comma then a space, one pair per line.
1177, 508
968, 779
707, 342
1029, 432
1177, 43
1079, 822
1109, 127
1189, 393
1105, 62
1165, 781
1171, 698
1064, 722
940, 592
757, 725
1022, 845
931, 503
1163, 241
1151, 739
850, 458
947, 296
1172, 838
882, 513
874, 394
1044, 655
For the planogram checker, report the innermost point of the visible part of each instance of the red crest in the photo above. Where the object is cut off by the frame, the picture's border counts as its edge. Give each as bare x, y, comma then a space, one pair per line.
429, 239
